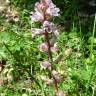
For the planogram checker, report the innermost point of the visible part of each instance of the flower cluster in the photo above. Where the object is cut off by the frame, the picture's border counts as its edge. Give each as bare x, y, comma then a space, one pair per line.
45, 10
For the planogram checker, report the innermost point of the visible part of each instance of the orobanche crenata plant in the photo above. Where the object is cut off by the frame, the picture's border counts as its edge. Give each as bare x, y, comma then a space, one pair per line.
45, 10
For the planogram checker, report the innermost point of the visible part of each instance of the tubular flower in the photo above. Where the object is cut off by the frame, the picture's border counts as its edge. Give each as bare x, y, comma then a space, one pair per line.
40, 7
37, 31
37, 16
50, 27
43, 47
52, 10
45, 65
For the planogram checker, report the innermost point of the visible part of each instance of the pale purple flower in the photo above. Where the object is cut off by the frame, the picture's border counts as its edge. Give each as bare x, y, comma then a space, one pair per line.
43, 47
41, 7
44, 10
37, 7
45, 65
37, 16
48, 26
37, 31
52, 10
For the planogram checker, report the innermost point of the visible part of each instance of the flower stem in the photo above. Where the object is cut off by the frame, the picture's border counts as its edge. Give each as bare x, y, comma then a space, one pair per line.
49, 47
51, 60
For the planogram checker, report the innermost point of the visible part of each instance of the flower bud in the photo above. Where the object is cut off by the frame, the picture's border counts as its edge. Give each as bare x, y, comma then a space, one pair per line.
45, 65
43, 47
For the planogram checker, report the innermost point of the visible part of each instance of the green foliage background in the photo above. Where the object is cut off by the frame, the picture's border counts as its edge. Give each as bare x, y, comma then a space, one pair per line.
22, 57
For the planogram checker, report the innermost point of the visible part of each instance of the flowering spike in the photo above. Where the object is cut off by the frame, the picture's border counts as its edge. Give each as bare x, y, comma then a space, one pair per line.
45, 10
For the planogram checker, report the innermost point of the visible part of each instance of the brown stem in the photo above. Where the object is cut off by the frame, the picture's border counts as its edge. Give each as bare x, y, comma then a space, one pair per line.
49, 47
51, 59
56, 85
